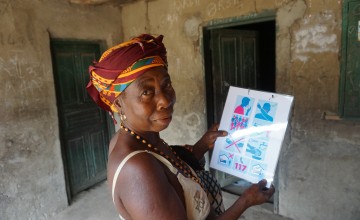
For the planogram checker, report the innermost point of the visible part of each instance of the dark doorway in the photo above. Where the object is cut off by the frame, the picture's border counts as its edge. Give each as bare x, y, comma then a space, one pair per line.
242, 56
84, 127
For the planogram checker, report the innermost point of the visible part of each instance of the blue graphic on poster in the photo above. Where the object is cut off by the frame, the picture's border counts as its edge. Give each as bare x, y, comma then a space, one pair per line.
233, 145
243, 105
265, 112
225, 158
256, 149
257, 169
238, 122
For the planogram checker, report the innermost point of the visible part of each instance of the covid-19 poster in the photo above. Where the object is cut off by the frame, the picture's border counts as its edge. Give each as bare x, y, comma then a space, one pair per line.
256, 123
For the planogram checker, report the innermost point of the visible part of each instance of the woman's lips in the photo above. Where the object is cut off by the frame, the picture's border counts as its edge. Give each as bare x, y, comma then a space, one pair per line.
164, 120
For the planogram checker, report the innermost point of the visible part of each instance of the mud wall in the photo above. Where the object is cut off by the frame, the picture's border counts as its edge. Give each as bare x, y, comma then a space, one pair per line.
317, 169
32, 184
316, 175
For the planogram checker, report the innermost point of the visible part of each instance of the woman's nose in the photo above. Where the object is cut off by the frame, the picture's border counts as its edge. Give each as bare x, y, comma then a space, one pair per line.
165, 100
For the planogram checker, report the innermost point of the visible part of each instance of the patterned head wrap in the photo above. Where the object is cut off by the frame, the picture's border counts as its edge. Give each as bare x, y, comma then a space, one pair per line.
120, 65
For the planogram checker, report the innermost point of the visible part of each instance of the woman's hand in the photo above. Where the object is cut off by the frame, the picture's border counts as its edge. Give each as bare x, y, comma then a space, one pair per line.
207, 141
258, 194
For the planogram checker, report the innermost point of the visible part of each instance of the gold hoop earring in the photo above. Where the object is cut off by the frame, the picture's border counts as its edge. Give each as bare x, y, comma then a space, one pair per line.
122, 116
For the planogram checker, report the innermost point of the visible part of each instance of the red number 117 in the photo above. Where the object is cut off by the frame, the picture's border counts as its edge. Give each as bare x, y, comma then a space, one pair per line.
240, 166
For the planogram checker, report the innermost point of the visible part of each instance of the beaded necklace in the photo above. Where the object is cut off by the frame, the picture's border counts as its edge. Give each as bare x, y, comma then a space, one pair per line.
179, 163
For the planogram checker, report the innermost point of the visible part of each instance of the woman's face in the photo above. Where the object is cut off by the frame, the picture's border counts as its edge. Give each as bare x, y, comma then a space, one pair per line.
148, 102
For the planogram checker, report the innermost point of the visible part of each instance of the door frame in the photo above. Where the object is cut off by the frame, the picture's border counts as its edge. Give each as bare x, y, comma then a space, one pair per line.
108, 120
206, 51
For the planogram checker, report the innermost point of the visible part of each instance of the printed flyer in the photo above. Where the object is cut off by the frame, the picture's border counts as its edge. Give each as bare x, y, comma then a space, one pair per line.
256, 122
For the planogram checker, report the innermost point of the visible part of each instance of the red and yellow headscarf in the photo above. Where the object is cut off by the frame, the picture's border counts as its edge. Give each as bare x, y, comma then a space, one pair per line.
120, 65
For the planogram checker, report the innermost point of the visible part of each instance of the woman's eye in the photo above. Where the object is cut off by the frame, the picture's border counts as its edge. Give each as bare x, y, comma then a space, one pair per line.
147, 92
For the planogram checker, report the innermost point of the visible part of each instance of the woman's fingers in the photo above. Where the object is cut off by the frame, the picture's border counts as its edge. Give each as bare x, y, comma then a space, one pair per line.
215, 134
262, 184
268, 192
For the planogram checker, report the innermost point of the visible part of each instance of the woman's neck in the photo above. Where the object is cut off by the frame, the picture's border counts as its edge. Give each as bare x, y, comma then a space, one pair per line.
151, 136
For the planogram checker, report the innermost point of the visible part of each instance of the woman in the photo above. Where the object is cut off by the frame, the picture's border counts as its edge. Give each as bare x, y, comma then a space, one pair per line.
147, 178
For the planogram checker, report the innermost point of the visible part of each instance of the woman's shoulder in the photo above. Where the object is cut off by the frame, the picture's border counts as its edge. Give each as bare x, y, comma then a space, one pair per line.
140, 162
130, 165
130, 156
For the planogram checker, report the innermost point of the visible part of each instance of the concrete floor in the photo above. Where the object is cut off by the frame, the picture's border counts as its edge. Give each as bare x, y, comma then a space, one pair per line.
96, 204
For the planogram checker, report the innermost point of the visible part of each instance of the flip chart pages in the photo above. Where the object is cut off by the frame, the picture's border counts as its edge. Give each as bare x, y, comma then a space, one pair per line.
256, 122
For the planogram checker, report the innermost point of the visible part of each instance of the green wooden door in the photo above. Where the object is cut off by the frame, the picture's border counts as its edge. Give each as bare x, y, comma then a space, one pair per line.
234, 63
83, 126
350, 86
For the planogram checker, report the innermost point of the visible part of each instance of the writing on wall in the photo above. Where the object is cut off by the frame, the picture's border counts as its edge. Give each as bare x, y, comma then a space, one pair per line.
24, 87
180, 5
11, 39
4, 6
171, 19
221, 5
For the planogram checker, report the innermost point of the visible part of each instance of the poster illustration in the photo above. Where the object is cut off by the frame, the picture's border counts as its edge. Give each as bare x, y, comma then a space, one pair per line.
256, 123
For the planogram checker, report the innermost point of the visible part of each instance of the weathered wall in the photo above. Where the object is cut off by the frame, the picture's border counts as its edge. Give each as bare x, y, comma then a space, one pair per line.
317, 168
32, 184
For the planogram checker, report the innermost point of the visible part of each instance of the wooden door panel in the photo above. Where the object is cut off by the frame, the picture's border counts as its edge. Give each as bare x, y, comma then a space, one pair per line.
66, 66
83, 125
228, 62
249, 60
82, 119
98, 140
352, 73
86, 58
77, 163
234, 60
